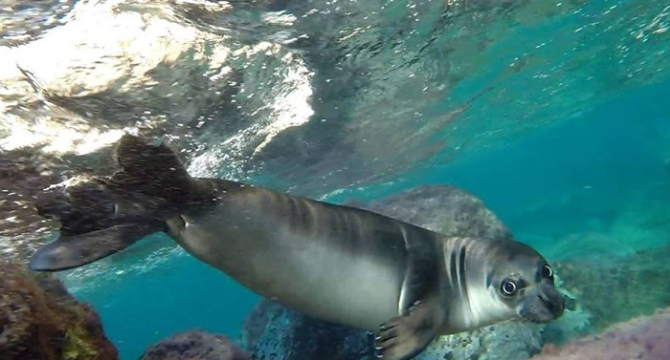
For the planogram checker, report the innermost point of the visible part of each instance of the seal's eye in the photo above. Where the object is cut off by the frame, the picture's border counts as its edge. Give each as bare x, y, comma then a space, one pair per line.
547, 272
508, 287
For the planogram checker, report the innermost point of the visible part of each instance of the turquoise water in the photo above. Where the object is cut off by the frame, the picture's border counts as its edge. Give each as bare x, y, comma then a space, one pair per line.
588, 173
588, 185
176, 296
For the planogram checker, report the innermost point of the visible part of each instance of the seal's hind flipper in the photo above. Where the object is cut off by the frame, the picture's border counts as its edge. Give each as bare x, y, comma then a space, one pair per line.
406, 336
104, 215
154, 171
69, 252
94, 223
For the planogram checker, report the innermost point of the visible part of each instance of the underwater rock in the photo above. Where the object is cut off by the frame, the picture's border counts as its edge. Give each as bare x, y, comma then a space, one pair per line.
272, 331
646, 337
615, 288
505, 341
195, 345
442, 208
40, 320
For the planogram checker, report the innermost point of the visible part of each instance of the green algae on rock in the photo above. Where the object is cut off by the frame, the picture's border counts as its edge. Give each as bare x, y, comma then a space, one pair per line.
40, 320
617, 288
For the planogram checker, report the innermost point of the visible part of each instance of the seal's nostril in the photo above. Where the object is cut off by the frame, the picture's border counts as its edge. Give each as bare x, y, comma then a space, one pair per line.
549, 304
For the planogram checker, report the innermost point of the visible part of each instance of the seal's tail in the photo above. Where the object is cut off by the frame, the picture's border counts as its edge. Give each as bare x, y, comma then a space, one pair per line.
104, 215
149, 171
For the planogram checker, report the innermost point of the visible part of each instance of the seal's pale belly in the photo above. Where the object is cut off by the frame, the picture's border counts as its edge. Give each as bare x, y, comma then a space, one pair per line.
314, 261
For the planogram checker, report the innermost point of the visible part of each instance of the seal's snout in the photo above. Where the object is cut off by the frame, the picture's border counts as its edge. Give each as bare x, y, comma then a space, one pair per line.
543, 303
552, 300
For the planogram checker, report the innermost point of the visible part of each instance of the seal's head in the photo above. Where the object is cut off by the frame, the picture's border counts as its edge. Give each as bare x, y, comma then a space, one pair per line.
522, 281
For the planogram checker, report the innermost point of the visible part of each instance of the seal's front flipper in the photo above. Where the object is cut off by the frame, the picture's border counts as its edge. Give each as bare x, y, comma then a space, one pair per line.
69, 252
406, 336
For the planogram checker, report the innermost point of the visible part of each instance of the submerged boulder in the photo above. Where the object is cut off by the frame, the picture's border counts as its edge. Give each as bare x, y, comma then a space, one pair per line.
195, 345
615, 288
40, 320
274, 332
646, 337
442, 208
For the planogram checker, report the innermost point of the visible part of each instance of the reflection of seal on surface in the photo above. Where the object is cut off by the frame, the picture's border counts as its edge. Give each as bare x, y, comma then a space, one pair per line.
336, 263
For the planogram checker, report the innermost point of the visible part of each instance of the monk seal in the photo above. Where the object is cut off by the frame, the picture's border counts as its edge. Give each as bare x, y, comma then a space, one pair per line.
341, 264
